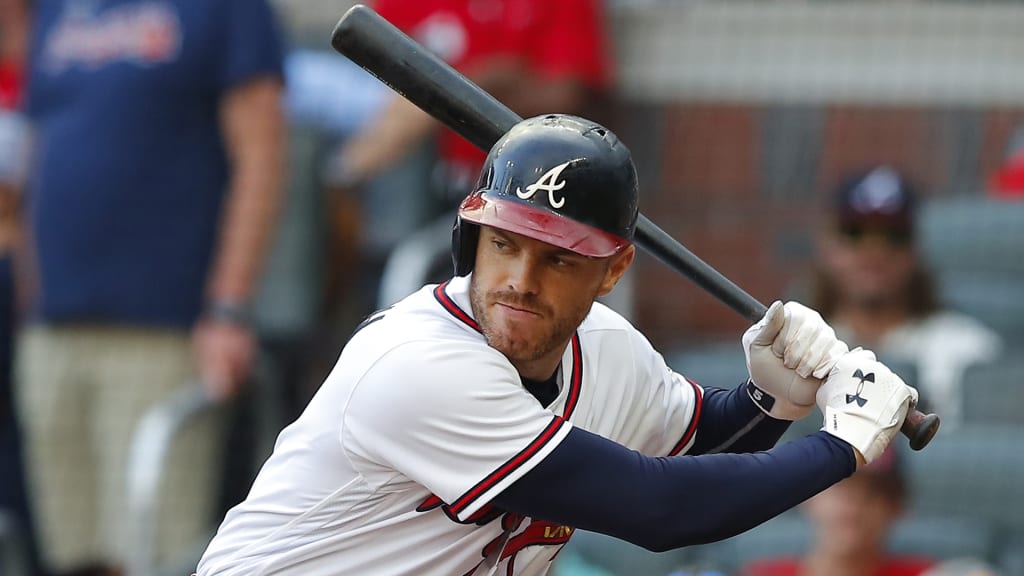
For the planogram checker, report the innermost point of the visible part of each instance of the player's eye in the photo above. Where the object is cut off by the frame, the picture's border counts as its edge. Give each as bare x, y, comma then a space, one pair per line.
561, 262
499, 244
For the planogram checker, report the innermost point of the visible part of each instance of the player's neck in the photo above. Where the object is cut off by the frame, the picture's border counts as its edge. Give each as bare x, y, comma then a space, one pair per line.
540, 369
545, 391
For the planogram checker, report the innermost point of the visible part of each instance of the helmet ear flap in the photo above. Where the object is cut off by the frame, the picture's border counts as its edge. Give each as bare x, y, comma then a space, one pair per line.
465, 237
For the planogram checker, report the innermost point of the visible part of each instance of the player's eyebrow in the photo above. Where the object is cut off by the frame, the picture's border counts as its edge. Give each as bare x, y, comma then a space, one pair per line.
550, 249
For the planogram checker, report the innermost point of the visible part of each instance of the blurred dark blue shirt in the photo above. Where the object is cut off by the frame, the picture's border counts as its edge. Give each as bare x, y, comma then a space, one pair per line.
130, 167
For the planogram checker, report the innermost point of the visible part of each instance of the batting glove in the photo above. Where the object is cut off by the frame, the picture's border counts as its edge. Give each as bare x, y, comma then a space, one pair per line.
788, 352
864, 402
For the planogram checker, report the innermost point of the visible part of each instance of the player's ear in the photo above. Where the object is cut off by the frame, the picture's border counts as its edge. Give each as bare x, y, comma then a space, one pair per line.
617, 266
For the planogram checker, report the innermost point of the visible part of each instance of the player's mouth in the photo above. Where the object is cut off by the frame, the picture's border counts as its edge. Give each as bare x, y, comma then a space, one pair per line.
517, 311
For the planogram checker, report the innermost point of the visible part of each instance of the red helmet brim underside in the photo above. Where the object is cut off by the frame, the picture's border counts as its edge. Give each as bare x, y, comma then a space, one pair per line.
539, 224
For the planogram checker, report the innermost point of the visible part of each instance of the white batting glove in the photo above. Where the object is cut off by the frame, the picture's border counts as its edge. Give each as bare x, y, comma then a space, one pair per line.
788, 352
864, 402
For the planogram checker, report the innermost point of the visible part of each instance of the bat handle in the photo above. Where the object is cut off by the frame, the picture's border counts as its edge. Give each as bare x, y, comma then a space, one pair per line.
919, 428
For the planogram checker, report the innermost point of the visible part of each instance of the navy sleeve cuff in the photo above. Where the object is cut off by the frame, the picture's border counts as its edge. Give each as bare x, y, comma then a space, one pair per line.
731, 422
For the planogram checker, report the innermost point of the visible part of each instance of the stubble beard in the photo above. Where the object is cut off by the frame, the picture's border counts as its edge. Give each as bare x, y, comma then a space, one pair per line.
524, 349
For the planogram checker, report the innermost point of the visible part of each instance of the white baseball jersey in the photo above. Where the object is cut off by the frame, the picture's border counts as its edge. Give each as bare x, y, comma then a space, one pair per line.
391, 468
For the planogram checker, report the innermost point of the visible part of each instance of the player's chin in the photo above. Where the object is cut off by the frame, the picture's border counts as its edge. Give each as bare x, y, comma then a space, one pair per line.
514, 336
514, 340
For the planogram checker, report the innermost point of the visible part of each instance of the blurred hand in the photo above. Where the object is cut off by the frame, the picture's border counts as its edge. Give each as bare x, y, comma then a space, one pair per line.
224, 354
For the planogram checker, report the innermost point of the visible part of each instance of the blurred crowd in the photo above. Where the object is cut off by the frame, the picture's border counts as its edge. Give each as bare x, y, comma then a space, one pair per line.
194, 197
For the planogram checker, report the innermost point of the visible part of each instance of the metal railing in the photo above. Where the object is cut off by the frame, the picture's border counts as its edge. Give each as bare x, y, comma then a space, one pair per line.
147, 462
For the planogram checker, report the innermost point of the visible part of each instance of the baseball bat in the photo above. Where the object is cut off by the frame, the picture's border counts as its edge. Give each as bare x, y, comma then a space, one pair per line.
434, 86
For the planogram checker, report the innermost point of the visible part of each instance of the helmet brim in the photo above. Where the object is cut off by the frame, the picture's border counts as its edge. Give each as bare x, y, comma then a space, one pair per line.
548, 227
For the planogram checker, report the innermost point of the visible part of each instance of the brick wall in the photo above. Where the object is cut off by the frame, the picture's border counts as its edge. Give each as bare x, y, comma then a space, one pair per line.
742, 186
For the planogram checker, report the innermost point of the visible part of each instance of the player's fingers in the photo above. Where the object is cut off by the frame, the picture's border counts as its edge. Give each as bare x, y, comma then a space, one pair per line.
817, 353
807, 339
831, 355
770, 325
798, 339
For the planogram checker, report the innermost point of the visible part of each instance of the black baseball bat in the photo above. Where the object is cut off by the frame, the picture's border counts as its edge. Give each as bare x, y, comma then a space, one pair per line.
434, 86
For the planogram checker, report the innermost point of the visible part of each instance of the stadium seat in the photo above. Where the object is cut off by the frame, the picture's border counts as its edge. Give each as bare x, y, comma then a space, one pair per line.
973, 245
721, 364
902, 368
787, 535
938, 537
1010, 555
973, 233
943, 537
619, 557
975, 472
994, 393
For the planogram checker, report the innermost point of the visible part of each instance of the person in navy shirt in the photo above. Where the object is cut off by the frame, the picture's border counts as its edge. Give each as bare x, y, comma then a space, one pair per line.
156, 177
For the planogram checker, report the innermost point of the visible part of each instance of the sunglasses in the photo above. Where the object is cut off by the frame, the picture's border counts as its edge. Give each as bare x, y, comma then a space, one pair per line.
895, 237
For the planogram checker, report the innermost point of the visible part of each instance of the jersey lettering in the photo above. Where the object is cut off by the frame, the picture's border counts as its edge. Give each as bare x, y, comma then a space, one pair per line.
549, 183
145, 34
537, 532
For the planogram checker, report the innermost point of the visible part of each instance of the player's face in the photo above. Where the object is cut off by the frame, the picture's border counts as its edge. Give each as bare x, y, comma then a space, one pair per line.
529, 297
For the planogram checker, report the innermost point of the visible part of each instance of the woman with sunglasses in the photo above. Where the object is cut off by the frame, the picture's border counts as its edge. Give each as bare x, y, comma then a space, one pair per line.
873, 288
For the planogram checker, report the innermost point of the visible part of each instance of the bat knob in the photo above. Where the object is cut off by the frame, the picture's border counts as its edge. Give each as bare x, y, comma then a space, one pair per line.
920, 428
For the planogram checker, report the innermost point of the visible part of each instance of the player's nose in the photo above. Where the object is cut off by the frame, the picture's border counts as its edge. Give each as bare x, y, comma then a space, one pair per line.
524, 273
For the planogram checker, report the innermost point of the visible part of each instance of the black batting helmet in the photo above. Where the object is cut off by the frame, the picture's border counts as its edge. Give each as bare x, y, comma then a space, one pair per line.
560, 179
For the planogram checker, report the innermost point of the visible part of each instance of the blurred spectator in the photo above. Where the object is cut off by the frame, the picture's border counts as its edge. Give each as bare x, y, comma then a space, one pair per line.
872, 287
14, 146
852, 521
534, 56
1008, 181
151, 200
13, 33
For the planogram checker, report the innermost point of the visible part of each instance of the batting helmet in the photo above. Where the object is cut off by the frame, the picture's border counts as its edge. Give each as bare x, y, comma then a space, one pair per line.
560, 179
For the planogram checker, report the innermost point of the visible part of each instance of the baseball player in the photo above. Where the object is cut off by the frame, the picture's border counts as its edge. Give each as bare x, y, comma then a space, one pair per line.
473, 426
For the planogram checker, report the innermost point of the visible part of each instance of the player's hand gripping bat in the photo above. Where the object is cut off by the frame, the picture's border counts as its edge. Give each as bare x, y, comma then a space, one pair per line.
438, 89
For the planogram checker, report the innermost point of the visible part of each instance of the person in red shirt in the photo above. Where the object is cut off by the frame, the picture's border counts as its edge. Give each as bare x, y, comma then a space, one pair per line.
851, 523
534, 56
10, 83
1008, 181
13, 31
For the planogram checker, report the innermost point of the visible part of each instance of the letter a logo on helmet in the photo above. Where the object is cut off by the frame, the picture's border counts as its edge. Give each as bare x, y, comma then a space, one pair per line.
543, 184
559, 179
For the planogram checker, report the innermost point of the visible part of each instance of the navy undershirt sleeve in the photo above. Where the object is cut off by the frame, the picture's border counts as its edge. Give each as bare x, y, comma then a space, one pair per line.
592, 483
731, 422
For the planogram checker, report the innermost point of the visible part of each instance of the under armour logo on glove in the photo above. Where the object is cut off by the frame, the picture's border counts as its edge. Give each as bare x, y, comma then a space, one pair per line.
549, 183
860, 400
